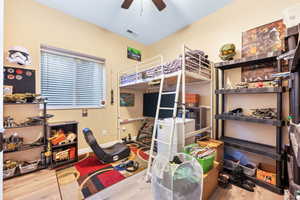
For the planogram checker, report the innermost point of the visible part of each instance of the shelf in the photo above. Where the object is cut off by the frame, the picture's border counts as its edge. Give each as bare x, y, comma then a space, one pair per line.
25, 148
64, 145
125, 121
273, 122
52, 124
18, 173
57, 164
268, 186
261, 149
251, 90
23, 103
23, 126
248, 61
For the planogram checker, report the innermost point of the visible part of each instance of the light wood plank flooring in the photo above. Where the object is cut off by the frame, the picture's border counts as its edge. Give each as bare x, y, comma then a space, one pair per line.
43, 185
40, 185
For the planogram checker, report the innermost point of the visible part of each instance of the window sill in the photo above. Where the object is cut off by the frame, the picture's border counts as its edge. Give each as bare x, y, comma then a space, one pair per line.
74, 108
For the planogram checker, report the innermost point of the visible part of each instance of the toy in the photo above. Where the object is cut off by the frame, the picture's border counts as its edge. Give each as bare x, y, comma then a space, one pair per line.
227, 52
61, 155
259, 85
9, 122
71, 137
22, 98
13, 142
242, 85
264, 113
58, 137
237, 111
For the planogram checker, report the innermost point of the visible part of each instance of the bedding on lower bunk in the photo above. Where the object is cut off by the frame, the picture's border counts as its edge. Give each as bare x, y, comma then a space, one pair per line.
192, 60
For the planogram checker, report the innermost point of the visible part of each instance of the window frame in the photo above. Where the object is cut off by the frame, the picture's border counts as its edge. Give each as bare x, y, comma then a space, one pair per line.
72, 54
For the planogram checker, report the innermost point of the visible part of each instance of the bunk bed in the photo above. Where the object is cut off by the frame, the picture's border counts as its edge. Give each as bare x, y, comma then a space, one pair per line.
194, 66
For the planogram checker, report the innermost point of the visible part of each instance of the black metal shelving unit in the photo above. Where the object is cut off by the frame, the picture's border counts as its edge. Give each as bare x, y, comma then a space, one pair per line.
27, 147
273, 152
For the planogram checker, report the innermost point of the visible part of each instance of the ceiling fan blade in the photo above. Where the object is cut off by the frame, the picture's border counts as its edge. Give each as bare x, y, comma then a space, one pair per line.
126, 4
160, 4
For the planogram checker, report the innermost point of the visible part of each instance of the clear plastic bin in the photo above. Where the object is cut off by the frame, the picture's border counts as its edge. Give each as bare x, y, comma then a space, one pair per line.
291, 15
249, 171
28, 168
9, 172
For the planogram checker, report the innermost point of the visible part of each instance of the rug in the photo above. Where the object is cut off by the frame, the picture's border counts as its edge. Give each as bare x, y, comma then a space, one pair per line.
89, 176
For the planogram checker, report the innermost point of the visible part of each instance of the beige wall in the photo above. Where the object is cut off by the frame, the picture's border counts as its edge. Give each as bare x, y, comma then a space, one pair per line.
226, 26
30, 24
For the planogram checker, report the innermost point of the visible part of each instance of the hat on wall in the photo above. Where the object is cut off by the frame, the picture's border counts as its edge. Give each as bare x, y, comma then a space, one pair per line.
19, 55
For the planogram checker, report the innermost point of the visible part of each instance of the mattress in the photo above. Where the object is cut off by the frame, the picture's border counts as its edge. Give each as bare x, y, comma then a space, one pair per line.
192, 65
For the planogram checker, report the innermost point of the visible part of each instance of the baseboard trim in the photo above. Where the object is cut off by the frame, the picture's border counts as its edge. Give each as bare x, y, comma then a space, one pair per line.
105, 145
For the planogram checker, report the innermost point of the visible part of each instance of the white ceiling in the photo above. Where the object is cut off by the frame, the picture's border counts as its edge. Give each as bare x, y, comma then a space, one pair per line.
142, 17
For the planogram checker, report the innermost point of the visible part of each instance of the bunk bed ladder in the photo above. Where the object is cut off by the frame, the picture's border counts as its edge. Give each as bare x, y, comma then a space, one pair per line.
171, 134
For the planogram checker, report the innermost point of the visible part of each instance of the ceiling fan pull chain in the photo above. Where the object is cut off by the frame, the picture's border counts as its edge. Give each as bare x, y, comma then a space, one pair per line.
142, 7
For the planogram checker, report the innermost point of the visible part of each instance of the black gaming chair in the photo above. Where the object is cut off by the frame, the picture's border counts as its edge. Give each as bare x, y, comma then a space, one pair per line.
114, 153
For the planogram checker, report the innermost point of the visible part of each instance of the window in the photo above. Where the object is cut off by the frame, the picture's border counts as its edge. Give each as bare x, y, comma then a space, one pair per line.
71, 80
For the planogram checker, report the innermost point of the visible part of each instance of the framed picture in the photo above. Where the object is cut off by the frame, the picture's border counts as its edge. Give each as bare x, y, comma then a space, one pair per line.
126, 99
134, 54
263, 39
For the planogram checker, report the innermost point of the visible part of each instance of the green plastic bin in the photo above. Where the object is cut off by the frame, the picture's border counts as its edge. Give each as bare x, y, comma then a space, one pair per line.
207, 163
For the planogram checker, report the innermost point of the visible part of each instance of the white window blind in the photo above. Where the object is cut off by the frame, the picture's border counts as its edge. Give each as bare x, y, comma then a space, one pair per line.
71, 81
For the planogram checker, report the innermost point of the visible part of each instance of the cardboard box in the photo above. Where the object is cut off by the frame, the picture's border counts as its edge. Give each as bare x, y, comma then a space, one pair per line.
216, 144
266, 172
210, 181
192, 99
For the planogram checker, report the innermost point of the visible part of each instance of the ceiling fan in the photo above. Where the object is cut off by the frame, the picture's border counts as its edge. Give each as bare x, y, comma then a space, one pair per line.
160, 4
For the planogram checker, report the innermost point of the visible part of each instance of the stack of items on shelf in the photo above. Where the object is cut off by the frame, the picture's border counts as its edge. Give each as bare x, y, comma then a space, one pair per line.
60, 138
248, 85
204, 155
235, 160
17, 134
22, 98
259, 113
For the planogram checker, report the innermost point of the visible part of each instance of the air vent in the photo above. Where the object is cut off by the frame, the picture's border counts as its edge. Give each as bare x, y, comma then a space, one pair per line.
131, 32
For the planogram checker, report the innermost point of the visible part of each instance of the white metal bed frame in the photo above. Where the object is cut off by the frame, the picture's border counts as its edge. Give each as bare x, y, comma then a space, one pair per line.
196, 75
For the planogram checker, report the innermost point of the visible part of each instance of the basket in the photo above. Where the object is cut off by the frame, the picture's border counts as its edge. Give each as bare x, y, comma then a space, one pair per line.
28, 168
9, 172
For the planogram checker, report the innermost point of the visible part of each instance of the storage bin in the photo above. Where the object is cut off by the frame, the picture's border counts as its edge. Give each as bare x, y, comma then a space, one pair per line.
267, 173
249, 171
9, 172
291, 15
207, 162
230, 164
28, 168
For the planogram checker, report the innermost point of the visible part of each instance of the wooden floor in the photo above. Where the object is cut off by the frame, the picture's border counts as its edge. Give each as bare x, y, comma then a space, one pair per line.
43, 185
40, 185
